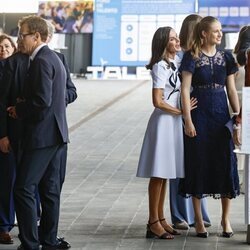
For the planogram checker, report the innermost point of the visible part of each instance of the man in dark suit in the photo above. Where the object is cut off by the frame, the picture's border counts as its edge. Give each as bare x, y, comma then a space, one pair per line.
71, 96
42, 110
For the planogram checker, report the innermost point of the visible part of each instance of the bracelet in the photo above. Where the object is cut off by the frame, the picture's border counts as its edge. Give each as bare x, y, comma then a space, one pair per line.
236, 126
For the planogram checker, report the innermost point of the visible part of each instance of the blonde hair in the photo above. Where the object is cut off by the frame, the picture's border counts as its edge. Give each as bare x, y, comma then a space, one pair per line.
203, 25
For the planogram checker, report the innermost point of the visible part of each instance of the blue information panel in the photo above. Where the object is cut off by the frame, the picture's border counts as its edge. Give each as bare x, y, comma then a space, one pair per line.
233, 14
124, 29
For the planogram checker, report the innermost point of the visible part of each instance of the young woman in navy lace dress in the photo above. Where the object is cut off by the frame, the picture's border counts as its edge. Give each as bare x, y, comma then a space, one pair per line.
210, 164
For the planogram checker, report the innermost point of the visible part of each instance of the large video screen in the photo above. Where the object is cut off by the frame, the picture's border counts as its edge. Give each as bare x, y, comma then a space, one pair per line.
233, 14
68, 16
124, 29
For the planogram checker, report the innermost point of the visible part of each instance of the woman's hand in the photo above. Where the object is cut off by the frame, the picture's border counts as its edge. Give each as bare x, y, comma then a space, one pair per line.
190, 129
193, 103
237, 136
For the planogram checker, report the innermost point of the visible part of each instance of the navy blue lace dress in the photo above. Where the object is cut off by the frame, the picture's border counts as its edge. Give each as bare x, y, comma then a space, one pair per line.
210, 164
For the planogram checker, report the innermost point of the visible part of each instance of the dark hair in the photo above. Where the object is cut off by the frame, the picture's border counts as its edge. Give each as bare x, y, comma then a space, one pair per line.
203, 25
243, 39
35, 24
5, 36
187, 29
159, 44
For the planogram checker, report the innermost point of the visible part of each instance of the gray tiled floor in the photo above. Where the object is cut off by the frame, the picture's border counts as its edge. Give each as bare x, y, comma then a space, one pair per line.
104, 206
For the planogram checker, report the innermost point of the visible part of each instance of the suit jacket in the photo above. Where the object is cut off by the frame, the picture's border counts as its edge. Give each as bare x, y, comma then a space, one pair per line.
43, 109
71, 94
11, 85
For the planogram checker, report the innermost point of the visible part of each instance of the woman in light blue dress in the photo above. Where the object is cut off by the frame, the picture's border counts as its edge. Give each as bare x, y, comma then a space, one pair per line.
182, 211
162, 155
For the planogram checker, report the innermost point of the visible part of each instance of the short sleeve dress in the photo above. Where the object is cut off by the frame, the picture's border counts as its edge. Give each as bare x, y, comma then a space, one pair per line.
210, 163
162, 150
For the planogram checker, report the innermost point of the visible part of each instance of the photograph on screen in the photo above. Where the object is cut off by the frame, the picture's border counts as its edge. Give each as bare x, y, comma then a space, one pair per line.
68, 16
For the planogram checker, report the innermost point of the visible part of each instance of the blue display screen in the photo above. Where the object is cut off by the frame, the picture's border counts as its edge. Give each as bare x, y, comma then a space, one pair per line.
124, 29
233, 14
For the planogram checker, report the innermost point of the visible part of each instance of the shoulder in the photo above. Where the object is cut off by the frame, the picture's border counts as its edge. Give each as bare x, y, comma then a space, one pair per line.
161, 65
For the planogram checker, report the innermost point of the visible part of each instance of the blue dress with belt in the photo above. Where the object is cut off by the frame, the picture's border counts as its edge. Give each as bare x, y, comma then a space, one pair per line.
210, 163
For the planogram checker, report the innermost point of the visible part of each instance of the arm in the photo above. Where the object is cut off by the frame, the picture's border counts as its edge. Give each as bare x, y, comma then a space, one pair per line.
234, 102
40, 88
185, 97
158, 102
71, 94
232, 94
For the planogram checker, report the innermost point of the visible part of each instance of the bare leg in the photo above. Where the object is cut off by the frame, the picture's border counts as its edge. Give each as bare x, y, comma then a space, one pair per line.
154, 192
199, 225
225, 203
164, 223
162, 200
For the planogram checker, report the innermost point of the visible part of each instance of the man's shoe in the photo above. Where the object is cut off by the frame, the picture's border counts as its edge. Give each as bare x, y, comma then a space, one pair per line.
5, 238
62, 244
21, 247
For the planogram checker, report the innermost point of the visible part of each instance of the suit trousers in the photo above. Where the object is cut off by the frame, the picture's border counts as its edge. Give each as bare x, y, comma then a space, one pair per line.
36, 171
61, 157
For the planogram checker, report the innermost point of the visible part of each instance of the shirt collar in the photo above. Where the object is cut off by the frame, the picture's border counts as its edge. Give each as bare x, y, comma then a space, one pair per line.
36, 50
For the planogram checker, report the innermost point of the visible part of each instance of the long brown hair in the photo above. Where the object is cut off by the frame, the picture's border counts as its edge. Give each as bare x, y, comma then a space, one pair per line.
243, 41
203, 25
159, 45
187, 30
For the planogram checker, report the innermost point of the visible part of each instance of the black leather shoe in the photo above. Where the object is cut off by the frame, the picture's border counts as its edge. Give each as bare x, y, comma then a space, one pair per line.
21, 247
62, 244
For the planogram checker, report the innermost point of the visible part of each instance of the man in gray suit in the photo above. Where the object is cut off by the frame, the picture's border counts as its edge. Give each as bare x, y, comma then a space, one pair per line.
42, 109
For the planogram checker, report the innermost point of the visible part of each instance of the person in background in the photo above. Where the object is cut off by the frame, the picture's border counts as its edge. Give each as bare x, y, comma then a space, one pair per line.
243, 43
7, 158
210, 163
161, 155
182, 211
242, 51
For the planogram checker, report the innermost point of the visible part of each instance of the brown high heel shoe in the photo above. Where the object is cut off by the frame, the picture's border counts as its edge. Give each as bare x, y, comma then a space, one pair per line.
151, 235
169, 229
